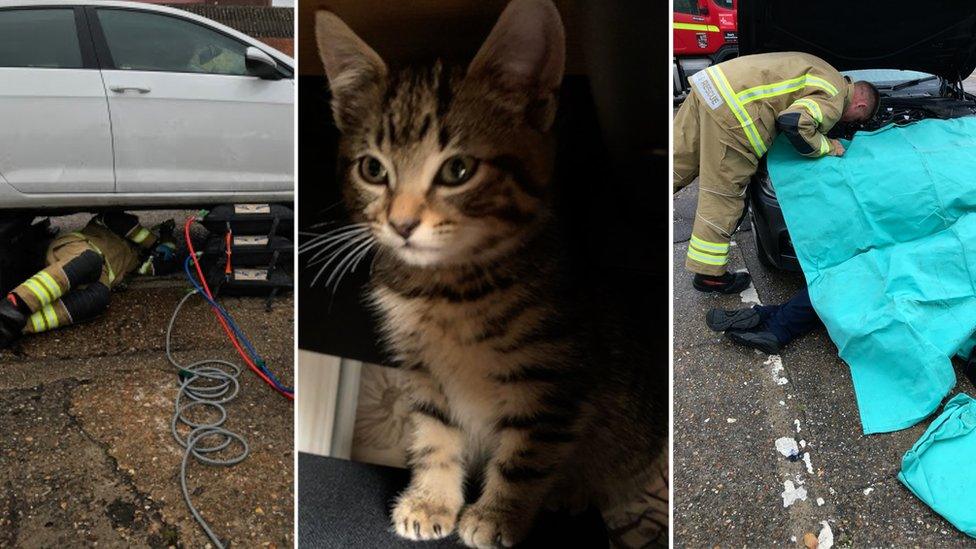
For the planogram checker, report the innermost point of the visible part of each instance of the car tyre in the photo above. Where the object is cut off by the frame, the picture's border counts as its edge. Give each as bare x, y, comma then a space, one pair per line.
760, 249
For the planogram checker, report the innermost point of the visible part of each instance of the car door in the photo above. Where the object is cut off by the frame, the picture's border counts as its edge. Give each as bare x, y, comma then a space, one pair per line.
55, 135
186, 115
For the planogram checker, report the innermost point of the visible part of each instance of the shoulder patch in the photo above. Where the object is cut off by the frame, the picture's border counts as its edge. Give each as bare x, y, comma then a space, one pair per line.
706, 89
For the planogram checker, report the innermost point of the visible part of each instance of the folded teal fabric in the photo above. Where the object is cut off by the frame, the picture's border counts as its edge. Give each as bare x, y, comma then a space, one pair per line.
886, 237
939, 468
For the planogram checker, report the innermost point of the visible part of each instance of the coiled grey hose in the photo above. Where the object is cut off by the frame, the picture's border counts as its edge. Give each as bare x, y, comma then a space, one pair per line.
208, 383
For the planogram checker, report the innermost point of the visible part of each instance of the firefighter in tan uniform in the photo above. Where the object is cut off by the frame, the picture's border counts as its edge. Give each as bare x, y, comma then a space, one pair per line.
82, 268
725, 126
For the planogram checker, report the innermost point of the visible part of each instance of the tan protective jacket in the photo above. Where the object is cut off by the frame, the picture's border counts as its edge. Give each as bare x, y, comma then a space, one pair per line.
757, 96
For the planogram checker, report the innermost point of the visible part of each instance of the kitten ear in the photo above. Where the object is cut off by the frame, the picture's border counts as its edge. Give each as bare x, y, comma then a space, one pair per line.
352, 67
526, 48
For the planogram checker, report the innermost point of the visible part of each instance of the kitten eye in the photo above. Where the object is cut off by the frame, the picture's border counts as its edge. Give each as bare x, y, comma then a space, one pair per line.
456, 170
372, 170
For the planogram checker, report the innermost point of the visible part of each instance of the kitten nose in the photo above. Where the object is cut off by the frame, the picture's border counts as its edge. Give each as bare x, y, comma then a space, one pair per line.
404, 227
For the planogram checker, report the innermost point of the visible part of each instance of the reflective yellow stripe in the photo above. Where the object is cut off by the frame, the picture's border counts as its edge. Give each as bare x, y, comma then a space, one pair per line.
720, 255
810, 106
146, 267
37, 321
50, 284
786, 86
695, 27
50, 317
706, 259
39, 291
141, 235
111, 273
737, 109
825, 145
707, 246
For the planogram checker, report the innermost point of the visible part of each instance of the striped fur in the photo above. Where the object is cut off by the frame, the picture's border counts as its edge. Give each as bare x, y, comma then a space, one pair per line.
511, 375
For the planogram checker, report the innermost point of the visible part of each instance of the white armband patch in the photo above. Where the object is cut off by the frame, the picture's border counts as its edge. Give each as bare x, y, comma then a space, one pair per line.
706, 89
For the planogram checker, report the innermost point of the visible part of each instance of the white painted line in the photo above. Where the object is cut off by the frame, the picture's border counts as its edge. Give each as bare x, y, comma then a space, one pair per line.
825, 540
776, 367
791, 493
787, 446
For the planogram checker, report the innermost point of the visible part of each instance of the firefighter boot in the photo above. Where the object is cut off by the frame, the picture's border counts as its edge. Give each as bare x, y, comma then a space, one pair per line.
729, 283
12, 322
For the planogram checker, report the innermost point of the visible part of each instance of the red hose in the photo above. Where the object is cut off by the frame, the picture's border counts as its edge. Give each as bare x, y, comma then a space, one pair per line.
223, 323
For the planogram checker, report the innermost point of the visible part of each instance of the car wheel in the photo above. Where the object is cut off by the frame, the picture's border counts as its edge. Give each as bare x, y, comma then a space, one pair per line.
760, 249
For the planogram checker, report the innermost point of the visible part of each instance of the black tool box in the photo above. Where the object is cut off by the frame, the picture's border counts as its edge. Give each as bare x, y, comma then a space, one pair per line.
261, 252
251, 219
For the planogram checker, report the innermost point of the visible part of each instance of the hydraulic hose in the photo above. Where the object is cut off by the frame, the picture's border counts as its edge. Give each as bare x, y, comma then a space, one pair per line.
254, 362
208, 383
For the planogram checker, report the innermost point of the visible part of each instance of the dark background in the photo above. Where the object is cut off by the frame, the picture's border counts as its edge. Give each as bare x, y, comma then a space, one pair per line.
611, 178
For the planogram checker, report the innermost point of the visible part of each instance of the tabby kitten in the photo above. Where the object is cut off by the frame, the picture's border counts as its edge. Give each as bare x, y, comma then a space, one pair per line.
510, 375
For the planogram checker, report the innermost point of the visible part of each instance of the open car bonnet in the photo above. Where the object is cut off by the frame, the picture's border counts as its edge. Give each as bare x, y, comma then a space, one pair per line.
937, 37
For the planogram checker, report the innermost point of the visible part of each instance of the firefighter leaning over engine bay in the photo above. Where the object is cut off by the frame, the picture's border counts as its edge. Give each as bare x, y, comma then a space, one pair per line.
725, 126
82, 268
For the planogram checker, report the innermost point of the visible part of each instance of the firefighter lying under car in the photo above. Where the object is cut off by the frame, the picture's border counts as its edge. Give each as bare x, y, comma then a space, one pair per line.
82, 268
725, 126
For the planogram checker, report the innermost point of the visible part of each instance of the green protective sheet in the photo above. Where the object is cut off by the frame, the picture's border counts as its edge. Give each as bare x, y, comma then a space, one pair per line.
886, 236
939, 467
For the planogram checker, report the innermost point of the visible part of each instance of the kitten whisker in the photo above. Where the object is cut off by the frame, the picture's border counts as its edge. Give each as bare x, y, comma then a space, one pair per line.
343, 266
324, 239
337, 254
334, 248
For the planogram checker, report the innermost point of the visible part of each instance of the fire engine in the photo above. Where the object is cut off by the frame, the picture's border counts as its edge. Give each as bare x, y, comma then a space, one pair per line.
705, 33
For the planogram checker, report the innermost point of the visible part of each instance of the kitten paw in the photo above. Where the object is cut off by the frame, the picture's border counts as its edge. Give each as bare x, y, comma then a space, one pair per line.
419, 517
485, 526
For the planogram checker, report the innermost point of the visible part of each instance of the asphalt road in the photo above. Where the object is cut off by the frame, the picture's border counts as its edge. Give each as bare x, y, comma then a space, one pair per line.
731, 404
86, 455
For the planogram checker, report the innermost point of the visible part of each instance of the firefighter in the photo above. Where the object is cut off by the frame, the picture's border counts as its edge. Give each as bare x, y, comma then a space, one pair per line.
767, 327
725, 126
82, 268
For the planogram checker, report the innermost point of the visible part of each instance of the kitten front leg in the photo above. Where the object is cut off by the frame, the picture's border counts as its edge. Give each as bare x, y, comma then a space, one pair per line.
519, 475
428, 508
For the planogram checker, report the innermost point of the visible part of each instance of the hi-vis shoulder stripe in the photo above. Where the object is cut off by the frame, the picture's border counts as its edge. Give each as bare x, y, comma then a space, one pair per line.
786, 86
811, 106
748, 126
695, 27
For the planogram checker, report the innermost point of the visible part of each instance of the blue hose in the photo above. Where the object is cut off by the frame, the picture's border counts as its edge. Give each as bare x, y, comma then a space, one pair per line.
258, 361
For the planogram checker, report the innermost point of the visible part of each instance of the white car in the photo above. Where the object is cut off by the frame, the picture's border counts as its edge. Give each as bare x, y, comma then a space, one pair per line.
118, 104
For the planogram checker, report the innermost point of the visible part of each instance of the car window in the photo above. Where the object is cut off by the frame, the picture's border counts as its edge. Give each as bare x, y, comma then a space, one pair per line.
686, 6
142, 41
40, 38
727, 4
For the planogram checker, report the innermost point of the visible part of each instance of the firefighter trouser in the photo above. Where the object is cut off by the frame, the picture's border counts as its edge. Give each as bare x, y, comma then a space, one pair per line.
704, 149
70, 289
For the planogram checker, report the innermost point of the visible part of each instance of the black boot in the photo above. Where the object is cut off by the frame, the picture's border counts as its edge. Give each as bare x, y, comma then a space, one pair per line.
12, 323
764, 341
720, 320
729, 283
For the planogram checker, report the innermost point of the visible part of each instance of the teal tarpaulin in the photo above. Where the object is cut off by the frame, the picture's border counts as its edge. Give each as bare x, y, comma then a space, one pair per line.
886, 236
939, 468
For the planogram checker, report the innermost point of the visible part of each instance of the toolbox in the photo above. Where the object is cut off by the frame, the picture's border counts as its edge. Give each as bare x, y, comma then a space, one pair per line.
249, 251
251, 219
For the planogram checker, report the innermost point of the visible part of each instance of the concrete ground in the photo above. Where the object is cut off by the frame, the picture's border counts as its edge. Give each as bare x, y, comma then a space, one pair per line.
730, 406
86, 455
